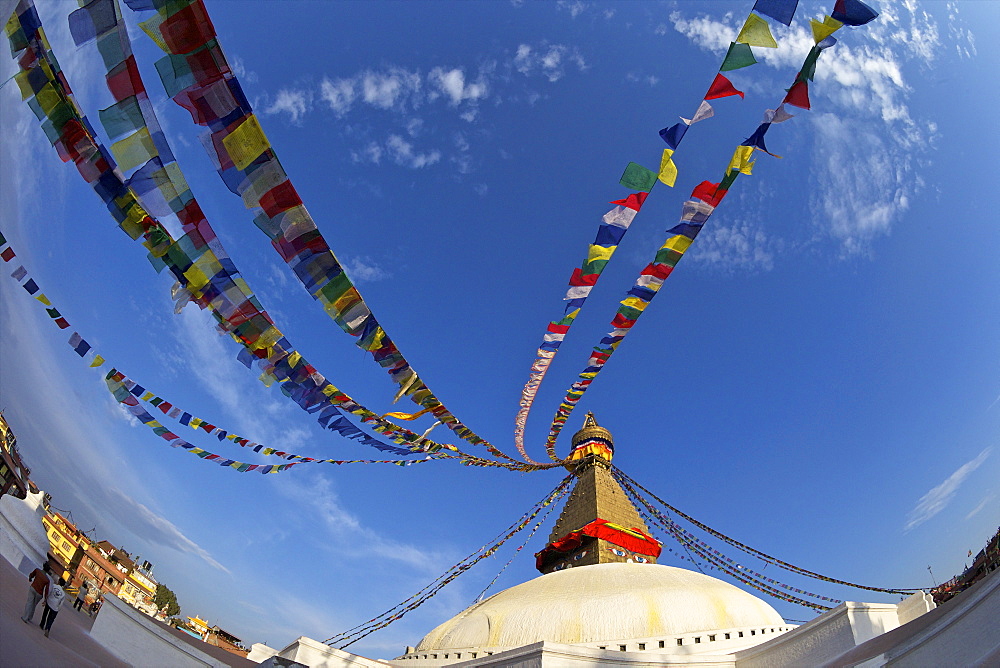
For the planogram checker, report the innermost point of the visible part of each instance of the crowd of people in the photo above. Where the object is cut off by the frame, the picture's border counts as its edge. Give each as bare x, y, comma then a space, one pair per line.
44, 587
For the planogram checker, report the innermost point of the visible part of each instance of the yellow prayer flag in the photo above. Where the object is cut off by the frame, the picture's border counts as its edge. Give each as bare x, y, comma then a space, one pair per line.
637, 303
12, 25
293, 359
741, 159
135, 150
196, 278
21, 79
596, 252
668, 170
152, 28
756, 32
823, 30
678, 243
98, 361
48, 98
194, 422
45, 300
407, 416
329, 390
147, 396
246, 142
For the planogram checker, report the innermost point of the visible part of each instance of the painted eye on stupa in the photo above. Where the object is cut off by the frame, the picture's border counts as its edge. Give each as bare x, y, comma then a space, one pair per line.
578, 557
640, 560
617, 552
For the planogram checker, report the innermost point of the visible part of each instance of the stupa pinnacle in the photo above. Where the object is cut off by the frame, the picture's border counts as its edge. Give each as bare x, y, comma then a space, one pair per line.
599, 525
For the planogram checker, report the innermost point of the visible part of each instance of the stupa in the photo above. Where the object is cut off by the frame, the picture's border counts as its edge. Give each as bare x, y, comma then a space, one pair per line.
602, 600
601, 587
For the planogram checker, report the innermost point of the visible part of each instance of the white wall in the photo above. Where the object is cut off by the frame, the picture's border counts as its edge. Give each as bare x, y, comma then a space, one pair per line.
22, 537
138, 640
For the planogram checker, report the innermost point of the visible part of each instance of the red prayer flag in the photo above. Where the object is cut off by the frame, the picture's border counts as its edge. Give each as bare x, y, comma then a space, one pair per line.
621, 322
61, 322
579, 278
721, 87
124, 80
186, 30
708, 192
657, 270
281, 197
633, 201
798, 95
8, 254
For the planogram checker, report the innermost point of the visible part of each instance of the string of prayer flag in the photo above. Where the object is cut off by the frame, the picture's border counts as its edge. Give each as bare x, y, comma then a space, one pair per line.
205, 274
197, 77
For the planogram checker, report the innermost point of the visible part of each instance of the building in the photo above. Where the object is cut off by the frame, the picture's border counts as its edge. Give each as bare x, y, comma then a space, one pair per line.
15, 477
603, 600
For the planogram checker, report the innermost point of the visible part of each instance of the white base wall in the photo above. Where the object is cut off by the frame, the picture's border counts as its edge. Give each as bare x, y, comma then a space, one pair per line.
138, 640
22, 536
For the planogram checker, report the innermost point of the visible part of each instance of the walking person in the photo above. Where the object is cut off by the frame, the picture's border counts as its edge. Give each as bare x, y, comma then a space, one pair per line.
39, 588
53, 602
81, 596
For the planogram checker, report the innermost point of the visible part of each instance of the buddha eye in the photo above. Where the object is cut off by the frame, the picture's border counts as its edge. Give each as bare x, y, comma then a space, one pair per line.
640, 560
620, 553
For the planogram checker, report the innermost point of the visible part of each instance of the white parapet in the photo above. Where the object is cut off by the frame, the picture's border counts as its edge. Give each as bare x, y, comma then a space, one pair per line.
138, 640
22, 537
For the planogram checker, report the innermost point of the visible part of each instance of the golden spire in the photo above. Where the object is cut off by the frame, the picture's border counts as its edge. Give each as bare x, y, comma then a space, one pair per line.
592, 439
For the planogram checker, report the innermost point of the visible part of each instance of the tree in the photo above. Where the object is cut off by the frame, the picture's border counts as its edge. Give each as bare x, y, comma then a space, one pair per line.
166, 600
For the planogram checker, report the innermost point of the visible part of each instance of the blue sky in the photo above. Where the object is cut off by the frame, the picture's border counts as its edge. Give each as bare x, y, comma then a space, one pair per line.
818, 378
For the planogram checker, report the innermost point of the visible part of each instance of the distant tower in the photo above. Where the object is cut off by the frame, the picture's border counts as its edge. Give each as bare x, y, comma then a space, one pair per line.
599, 524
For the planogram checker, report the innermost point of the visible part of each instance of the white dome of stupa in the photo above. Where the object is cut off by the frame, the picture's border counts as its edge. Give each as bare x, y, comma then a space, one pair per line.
612, 602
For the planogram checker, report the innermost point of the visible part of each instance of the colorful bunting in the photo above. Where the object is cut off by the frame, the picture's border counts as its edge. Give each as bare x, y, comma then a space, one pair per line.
674, 134
739, 55
823, 29
853, 12
721, 87
756, 32
779, 10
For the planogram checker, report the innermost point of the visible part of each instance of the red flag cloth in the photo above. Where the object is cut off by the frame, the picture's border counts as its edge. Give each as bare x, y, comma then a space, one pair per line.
579, 278
556, 328
633, 201
721, 87
798, 95
187, 29
621, 322
708, 192
633, 540
281, 197
124, 80
657, 270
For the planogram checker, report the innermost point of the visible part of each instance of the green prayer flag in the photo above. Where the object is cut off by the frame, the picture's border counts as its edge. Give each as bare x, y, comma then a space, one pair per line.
175, 73
729, 179
122, 118
739, 55
638, 177
808, 70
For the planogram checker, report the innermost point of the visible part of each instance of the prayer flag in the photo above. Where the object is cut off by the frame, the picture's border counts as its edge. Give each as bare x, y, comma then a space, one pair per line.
704, 111
78, 344
853, 12
778, 115
668, 170
98, 361
798, 95
246, 142
721, 87
779, 10
674, 134
709, 192
31, 287
822, 30
19, 273
739, 55
8, 254
638, 178
756, 32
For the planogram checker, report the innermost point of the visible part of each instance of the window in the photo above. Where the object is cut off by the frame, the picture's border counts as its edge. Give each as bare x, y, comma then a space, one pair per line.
697, 639
642, 646
727, 636
753, 632
621, 648
741, 634
680, 641
662, 644
711, 638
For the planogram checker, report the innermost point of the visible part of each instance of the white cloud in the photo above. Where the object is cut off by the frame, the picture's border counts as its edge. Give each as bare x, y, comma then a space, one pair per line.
402, 153
934, 501
549, 60
452, 83
364, 270
339, 94
295, 103
739, 246
982, 504
574, 7
861, 185
157, 529
372, 152
391, 89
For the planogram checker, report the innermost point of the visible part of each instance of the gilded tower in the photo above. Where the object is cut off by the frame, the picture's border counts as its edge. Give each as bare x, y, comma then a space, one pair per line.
599, 524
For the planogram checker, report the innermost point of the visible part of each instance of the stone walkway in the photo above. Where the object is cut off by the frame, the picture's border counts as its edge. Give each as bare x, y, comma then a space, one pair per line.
24, 645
